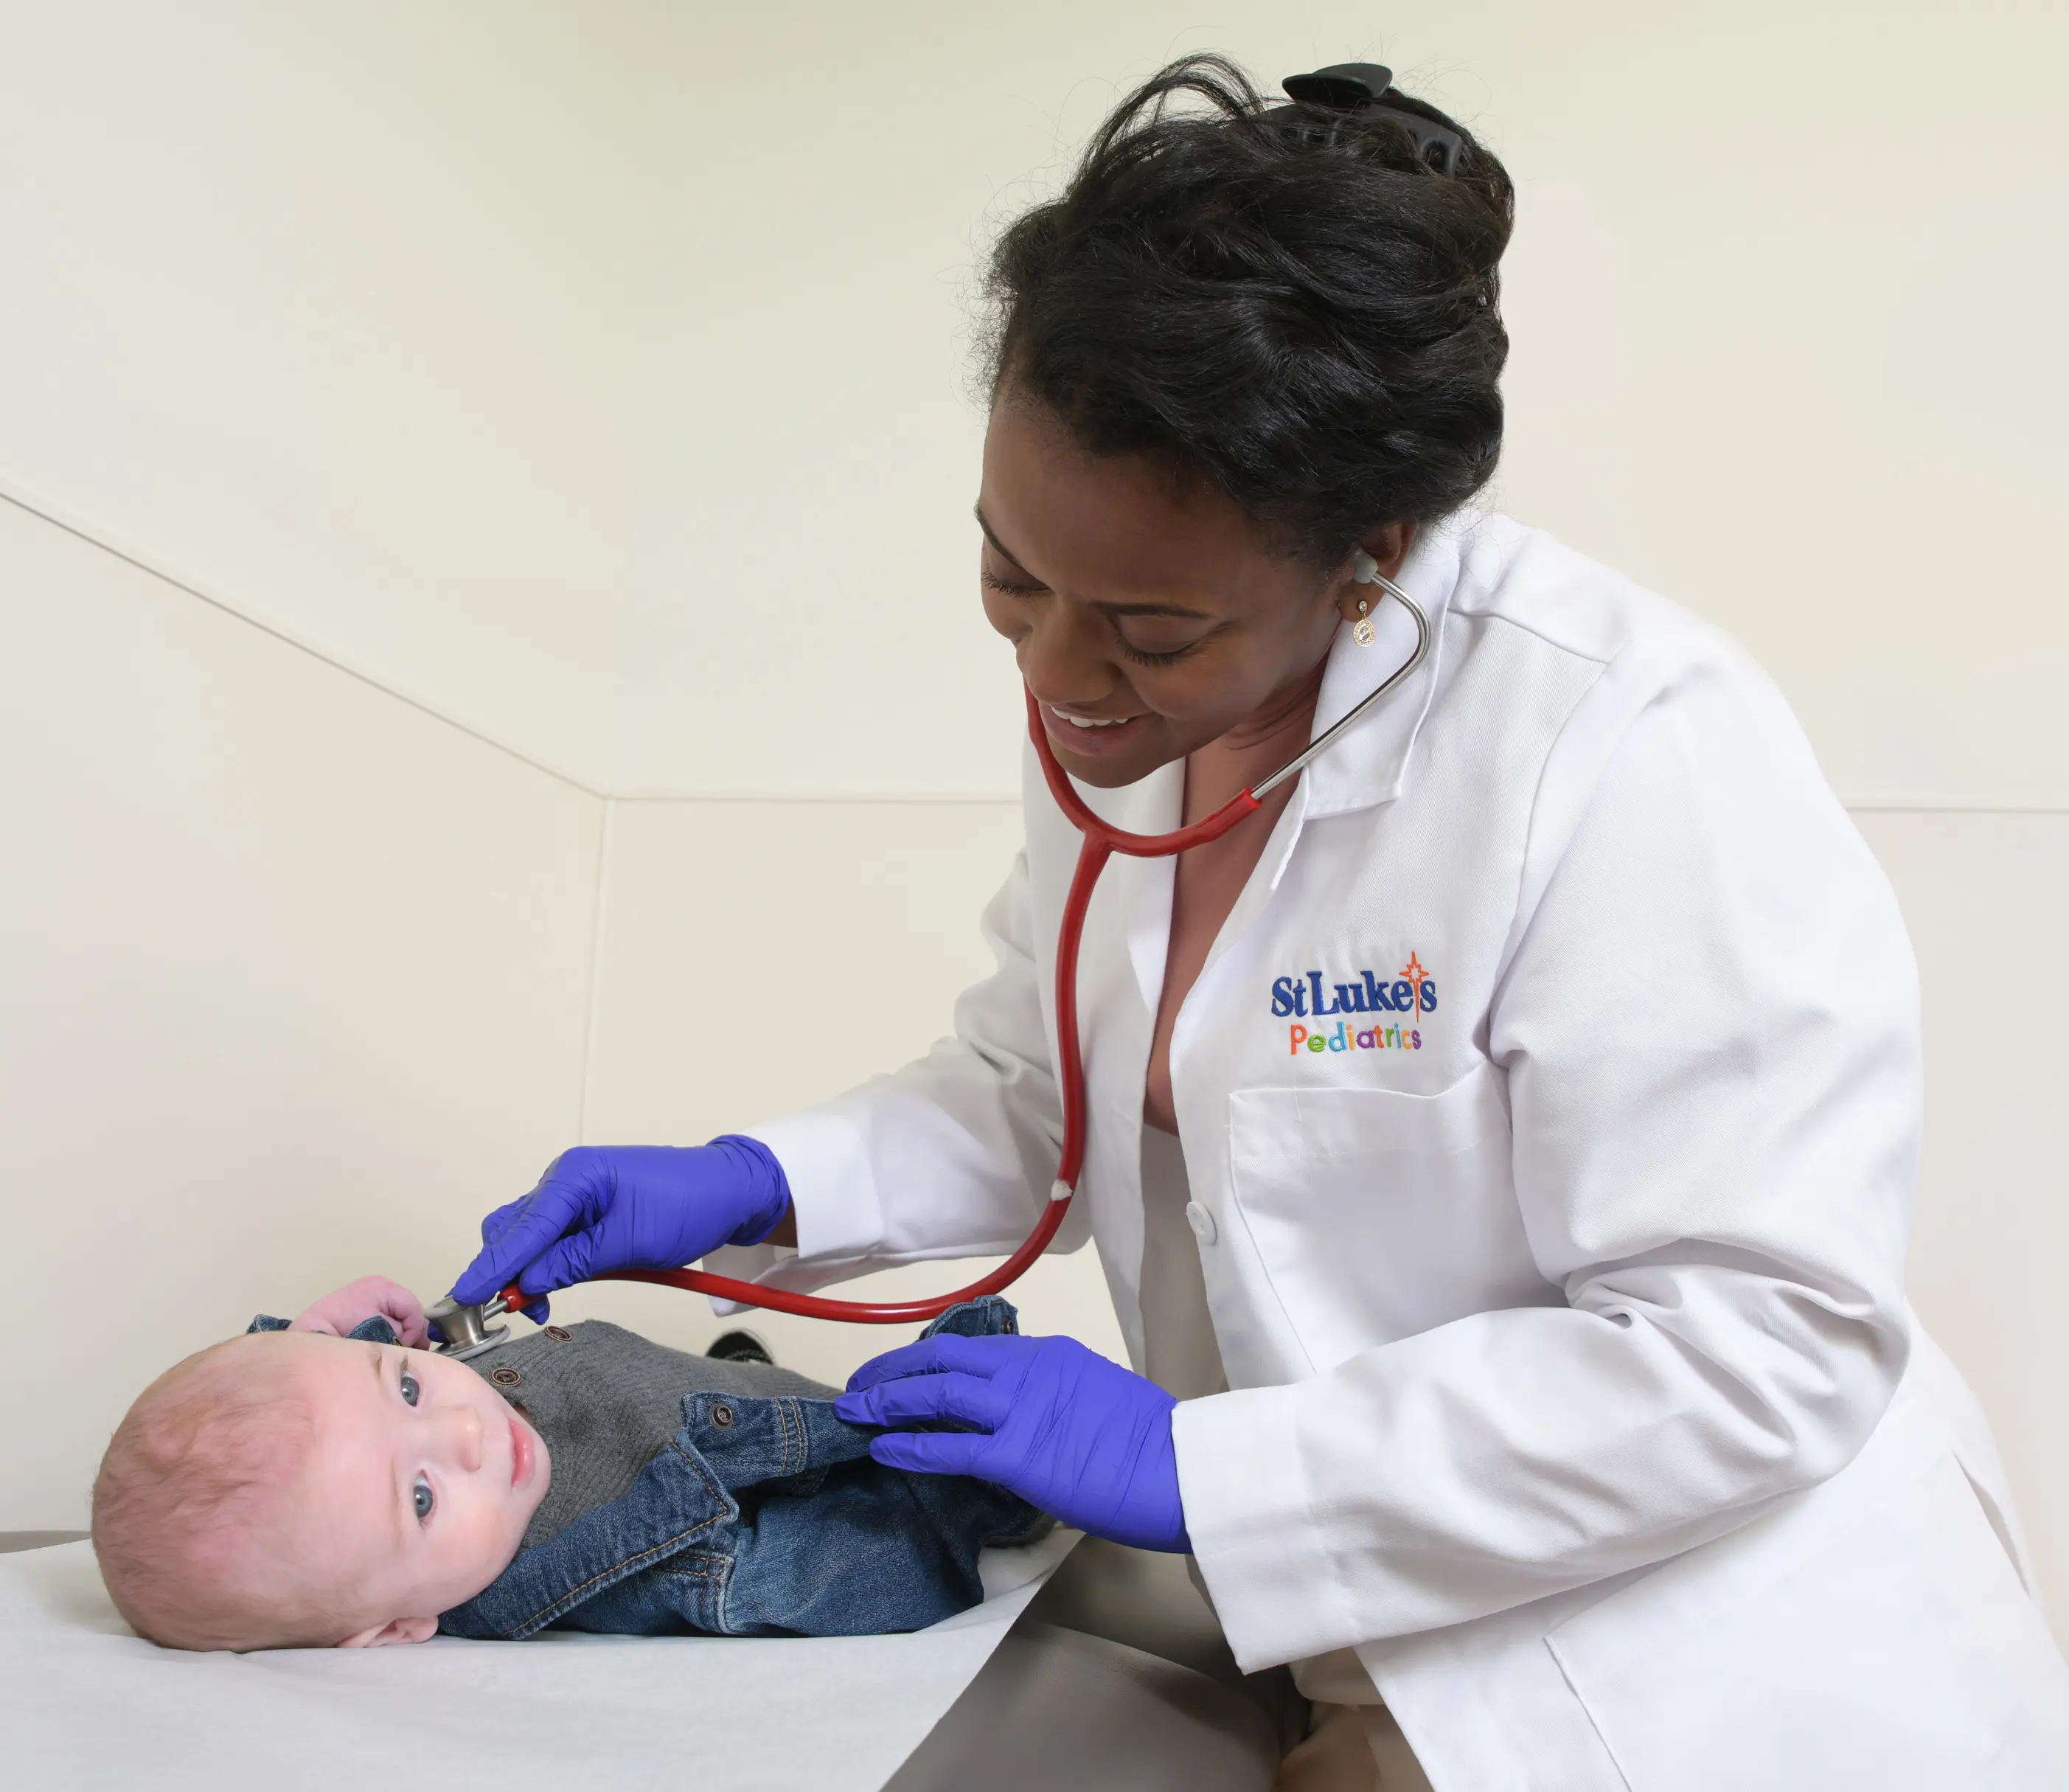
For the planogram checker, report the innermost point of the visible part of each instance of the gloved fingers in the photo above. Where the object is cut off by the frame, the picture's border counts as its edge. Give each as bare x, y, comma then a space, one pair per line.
559, 1266
967, 1398
547, 1213
498, 1220
938, 1355
931, 1452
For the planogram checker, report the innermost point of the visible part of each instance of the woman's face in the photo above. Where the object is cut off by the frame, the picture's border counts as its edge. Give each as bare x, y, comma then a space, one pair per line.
1150, 616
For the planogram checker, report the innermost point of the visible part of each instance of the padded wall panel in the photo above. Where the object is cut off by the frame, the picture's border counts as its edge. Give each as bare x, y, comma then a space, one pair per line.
293, 984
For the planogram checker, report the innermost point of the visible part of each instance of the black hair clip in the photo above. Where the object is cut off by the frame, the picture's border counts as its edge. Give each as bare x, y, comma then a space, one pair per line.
1363, 87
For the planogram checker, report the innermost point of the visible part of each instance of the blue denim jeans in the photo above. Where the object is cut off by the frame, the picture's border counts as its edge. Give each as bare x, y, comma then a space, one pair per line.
765, 1517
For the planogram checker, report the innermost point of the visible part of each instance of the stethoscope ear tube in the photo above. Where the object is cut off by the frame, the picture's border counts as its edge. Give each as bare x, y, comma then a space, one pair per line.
1394, 679
1100, 843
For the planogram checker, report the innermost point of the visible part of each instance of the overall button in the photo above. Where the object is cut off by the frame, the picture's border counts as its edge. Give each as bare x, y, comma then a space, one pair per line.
560, 1334
722, 1415
1202, 1222
506, 1377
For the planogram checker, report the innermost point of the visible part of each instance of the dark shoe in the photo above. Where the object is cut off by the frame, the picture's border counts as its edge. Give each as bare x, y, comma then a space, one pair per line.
738, 1347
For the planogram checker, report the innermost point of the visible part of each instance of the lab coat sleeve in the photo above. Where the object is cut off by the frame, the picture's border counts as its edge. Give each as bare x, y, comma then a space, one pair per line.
951, 1155
1708, 1027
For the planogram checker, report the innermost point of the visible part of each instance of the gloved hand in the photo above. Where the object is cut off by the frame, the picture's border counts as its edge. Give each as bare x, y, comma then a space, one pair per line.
370, 1297
1083, 1439
644, 1206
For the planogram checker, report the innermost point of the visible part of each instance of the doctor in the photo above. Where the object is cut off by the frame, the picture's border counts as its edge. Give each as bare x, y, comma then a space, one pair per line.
1503, 1144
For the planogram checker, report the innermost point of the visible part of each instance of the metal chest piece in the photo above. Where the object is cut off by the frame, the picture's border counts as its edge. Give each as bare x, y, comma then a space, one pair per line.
465, 1330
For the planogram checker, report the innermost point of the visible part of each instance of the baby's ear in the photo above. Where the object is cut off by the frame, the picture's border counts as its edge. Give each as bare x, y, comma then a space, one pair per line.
396, 1630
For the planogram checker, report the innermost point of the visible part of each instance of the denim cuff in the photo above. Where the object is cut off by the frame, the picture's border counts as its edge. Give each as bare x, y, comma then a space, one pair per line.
376, 1330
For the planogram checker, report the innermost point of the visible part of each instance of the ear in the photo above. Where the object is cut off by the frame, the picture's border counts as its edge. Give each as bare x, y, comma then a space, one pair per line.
396, 1630
1389, 546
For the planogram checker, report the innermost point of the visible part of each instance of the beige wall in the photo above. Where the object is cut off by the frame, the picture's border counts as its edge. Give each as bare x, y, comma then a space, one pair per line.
597, 372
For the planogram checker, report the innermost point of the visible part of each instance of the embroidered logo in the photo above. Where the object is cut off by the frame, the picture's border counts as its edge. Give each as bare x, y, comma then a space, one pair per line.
1410, 993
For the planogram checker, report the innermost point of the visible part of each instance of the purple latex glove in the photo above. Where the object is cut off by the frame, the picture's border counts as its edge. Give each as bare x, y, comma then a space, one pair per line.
1082, 1438
640, 1207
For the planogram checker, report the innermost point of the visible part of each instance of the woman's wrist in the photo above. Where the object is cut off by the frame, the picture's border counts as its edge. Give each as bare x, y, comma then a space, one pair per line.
768, 1219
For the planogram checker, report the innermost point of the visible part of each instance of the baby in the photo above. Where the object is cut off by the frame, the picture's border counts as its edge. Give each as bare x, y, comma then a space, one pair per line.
333, 1483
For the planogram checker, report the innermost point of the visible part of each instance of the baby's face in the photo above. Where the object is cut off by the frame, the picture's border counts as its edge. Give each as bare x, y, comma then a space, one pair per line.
417, 1488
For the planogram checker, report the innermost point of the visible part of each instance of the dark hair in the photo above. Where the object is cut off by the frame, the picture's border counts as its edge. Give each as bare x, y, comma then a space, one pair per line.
1284, 297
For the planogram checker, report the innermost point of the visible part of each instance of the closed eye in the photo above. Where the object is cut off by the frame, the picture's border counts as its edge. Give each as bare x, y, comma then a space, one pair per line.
993, 582
1143, 658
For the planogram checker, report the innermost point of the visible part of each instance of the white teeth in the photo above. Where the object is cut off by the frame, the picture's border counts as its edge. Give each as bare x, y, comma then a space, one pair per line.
1088, 721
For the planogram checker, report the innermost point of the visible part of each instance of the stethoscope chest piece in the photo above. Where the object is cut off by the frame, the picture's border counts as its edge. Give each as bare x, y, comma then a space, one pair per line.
465, 1330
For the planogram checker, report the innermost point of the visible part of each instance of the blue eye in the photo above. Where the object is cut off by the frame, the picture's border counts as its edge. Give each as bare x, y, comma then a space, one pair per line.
421, 1495
409, 1387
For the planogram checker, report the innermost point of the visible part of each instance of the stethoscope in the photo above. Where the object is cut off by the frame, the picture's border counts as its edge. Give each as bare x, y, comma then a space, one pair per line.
466, 1330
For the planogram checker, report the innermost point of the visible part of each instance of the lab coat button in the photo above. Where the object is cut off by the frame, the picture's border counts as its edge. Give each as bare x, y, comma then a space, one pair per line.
1202, 1222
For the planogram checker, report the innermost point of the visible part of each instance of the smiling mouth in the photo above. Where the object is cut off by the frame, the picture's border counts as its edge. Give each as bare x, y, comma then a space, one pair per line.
1088, 734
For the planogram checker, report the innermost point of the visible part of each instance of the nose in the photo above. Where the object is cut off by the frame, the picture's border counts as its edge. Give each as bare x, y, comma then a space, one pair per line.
462, 1437
1065, 657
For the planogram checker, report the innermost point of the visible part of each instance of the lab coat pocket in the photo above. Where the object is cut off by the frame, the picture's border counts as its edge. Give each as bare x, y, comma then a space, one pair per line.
1873, 1635
1378, 1213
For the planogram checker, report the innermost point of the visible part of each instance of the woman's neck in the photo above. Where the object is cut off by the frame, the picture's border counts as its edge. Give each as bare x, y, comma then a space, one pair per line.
1254, 748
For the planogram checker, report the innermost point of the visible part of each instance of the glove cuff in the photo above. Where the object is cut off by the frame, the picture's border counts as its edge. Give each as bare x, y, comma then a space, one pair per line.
768, 1189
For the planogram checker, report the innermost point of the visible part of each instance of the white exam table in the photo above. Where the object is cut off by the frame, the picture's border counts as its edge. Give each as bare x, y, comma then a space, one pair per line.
86, 1704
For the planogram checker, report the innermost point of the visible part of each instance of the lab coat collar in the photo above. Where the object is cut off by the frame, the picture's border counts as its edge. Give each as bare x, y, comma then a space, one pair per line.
1366, 767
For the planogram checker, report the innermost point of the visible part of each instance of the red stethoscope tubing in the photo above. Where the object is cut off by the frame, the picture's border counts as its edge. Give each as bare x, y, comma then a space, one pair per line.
1101, 841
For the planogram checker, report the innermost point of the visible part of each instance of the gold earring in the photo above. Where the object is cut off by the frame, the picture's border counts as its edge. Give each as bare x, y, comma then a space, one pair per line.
1361, 630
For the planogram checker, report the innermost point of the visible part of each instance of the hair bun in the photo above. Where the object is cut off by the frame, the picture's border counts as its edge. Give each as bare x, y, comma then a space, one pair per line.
1287, 295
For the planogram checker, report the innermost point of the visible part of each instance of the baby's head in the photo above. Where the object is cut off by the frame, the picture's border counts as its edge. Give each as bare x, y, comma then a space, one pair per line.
292, 1489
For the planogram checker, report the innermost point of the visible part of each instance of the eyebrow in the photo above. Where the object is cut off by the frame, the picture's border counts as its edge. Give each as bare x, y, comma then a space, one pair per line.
1180, 609
401, 1508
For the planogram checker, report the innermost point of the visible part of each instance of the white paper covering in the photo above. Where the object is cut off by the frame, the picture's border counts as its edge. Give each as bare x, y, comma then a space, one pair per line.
85, 1703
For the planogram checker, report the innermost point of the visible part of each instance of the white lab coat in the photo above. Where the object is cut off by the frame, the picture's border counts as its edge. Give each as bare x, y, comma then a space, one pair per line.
1573, 1384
